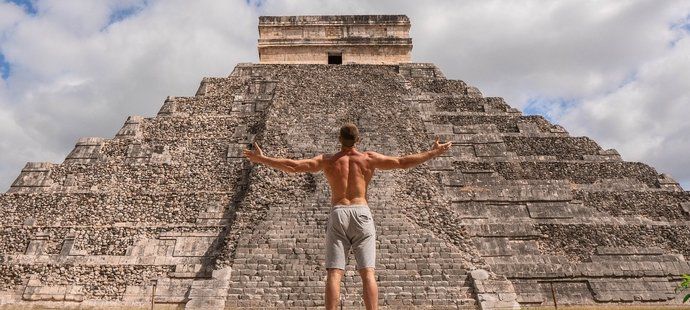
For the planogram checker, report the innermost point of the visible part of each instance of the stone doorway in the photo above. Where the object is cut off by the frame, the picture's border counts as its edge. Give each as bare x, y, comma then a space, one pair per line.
335, 58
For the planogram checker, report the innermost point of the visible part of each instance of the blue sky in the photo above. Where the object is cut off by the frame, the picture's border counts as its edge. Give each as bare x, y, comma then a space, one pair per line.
118, 14
4, 67
27, 5
550, 108
123, 13
616, 71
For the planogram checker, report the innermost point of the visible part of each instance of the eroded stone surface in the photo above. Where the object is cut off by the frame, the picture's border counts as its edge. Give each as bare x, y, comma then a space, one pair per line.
347, 39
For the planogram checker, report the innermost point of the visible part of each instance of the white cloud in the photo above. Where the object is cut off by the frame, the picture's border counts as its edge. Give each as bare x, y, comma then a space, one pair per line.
646, 119
9, 15
75, 75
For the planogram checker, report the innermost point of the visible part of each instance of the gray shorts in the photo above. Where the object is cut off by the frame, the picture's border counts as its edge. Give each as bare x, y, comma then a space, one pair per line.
350, 226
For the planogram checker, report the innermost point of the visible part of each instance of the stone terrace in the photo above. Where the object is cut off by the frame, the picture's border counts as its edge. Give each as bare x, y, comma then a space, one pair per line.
168, 212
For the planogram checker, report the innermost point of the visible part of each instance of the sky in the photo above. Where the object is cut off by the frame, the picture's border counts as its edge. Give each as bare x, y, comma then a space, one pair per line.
616, 71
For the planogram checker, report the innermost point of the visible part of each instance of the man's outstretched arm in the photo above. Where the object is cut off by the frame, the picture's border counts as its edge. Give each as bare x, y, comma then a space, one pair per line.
284, 164
384, 162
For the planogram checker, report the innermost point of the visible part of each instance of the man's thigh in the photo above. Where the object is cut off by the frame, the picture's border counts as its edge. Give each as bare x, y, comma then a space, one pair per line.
337, 245
364, 239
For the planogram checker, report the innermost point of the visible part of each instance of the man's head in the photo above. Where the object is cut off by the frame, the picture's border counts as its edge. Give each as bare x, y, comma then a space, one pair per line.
349, 135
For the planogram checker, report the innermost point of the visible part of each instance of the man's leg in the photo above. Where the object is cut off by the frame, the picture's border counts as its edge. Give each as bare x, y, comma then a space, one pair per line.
370, 288
335, 275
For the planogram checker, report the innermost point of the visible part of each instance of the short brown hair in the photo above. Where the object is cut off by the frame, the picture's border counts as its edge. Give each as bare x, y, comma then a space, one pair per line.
349, 134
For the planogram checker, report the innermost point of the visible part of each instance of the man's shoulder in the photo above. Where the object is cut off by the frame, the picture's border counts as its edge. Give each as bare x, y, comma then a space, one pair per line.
372, 153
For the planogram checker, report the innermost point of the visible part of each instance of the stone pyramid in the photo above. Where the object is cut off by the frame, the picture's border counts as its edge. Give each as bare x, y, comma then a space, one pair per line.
167, 214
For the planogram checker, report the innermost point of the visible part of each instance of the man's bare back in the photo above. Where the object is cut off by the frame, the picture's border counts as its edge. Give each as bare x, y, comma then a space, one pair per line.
348, 173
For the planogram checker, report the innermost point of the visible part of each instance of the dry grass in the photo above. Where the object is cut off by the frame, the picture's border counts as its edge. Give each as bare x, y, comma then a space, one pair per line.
613, 307
29, 306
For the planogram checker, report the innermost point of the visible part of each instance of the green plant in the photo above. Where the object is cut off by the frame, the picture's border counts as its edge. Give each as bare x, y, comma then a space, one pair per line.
684, 286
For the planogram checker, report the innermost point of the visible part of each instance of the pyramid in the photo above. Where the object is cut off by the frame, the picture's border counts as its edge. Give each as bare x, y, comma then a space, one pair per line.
167, 214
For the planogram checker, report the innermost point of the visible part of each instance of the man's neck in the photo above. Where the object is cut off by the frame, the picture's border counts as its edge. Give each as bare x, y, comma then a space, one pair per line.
347, 149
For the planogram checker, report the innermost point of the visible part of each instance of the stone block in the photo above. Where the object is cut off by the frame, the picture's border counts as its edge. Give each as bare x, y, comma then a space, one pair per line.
34, 177
262, 87
630, 289
420, 70
193, 246
261, 105
480, 138
67, 245
553, 210
53, 293
528, 128
490, 150
619, 184
160, 155
558, 129
527, 191
608, 250
511, 230
205, 87
137, 154
206, 303
471, 210
525, 247
452, 178
172, 290
601, 157
169, 107
479, 129
438, 129
529, 292
236, 151
473, 92
74, 293
138, 293
489, 247
87, 150
666, 182
131, 129
480, 177
190, 271
440, 164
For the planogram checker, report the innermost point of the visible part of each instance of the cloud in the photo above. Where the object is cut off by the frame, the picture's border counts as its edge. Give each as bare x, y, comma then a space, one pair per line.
645, 119
78, 68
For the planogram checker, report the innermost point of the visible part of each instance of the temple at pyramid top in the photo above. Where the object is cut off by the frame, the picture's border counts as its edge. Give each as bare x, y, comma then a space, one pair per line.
335, 39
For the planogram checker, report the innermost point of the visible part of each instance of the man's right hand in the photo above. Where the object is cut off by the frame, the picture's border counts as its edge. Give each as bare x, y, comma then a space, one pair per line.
254, 156
441, 148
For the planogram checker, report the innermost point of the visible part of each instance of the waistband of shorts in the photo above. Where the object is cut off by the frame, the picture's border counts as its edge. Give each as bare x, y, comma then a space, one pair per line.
349, 206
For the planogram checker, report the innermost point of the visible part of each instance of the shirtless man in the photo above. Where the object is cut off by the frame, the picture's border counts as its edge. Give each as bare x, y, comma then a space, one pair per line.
350, 223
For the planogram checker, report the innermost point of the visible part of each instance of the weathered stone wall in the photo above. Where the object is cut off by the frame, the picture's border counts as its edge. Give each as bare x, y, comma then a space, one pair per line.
362, 39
